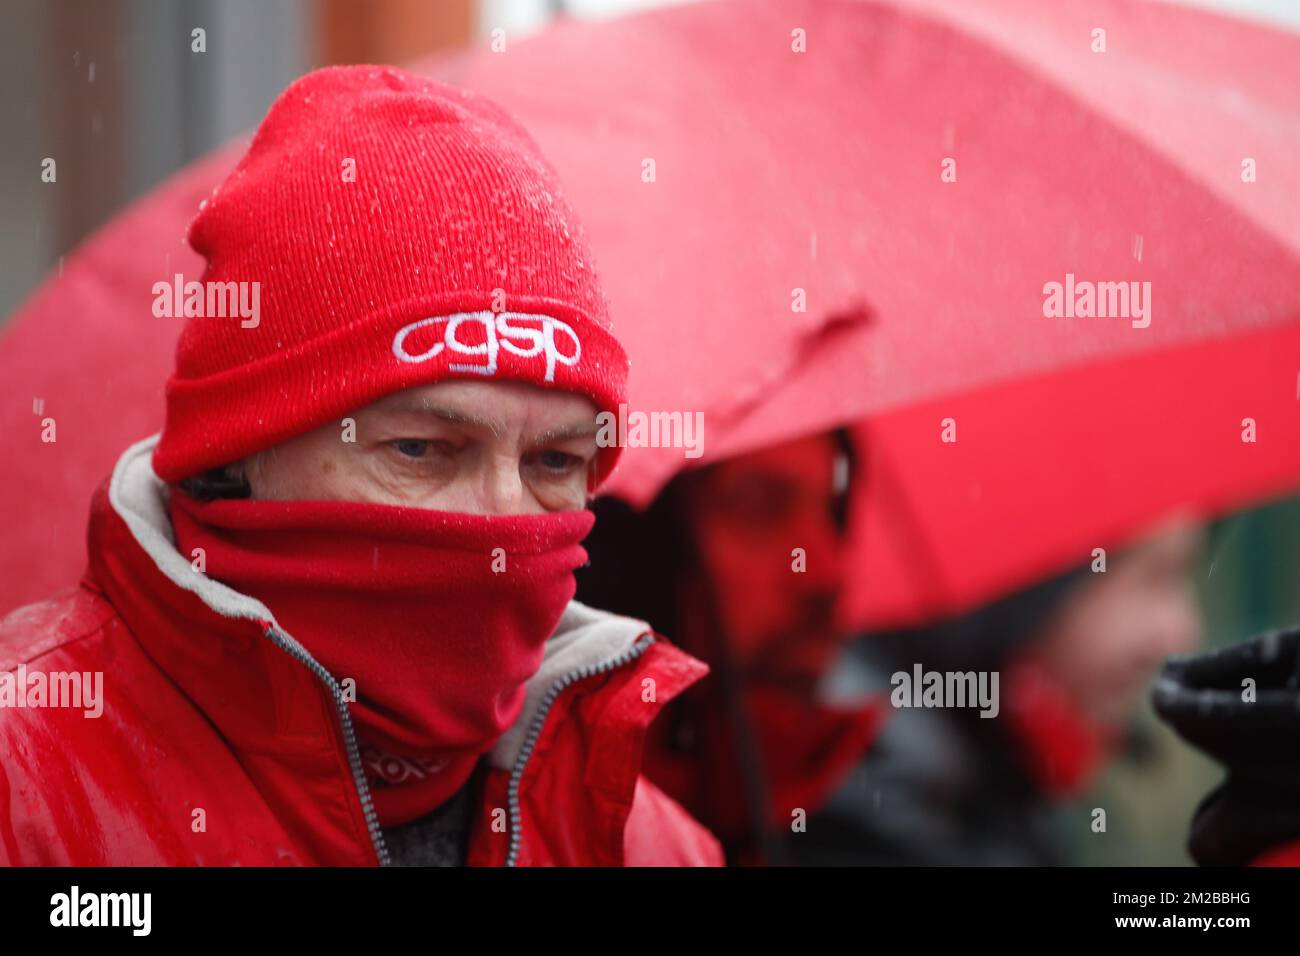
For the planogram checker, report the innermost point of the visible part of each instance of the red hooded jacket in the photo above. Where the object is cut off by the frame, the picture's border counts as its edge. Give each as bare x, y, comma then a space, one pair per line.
221, 741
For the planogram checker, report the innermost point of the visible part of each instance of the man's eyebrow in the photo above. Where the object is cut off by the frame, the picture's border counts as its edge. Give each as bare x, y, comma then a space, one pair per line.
423, 406
420, 405
565, 432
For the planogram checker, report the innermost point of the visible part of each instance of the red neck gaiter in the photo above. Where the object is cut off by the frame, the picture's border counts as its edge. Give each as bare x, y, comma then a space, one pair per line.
1063, 749
808, 746
439, 618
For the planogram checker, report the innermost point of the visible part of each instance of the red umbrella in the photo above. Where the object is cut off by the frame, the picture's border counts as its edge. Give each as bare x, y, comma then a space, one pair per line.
911, 180
1047, 469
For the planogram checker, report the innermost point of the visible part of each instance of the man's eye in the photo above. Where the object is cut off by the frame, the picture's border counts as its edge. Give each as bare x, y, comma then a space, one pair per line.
412, 447
558, 461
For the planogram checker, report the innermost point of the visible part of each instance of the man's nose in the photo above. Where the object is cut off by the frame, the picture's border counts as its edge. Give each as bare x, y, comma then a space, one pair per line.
503, 491
1184, 631
1178, 628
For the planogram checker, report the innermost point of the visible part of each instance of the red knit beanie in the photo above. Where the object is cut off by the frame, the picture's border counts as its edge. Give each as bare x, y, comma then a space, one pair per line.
400, 232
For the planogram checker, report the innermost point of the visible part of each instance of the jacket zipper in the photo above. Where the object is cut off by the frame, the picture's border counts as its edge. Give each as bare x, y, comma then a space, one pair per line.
286, 643
535, 730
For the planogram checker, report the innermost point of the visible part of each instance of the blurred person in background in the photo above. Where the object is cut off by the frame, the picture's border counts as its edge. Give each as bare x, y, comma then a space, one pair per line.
743, 562
1074, 656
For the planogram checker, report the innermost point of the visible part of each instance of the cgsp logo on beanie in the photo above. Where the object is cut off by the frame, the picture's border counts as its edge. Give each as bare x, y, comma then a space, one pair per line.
498, 330
402, 232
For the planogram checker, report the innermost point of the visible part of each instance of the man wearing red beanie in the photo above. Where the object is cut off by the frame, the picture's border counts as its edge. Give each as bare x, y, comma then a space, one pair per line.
330, 606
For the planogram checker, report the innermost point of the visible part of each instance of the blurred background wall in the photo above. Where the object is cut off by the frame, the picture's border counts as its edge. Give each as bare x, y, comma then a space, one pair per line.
113, 89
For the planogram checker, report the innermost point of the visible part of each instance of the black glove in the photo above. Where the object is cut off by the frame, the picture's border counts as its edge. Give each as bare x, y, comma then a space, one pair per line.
1257, 807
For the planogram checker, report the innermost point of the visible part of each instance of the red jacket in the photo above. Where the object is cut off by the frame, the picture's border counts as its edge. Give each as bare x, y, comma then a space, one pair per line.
222, 742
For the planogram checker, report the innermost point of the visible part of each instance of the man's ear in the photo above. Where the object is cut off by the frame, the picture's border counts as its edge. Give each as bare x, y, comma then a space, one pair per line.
220, 482
248, 472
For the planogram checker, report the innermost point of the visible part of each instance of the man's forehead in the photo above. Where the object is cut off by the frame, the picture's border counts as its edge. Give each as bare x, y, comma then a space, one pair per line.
497, 407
